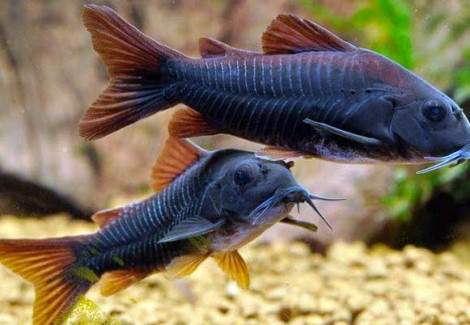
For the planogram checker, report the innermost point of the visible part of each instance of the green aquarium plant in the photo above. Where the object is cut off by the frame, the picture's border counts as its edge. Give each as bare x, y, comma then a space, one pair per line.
385, 26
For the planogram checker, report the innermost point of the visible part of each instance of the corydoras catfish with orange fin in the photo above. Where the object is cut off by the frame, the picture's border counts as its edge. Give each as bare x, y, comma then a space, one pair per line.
208, 204
309, 93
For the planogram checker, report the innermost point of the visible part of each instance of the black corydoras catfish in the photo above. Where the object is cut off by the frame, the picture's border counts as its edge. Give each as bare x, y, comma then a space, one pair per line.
208, 204
309, 93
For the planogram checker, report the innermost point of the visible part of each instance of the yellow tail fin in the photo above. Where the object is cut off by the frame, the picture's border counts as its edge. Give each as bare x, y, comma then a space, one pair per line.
44, 263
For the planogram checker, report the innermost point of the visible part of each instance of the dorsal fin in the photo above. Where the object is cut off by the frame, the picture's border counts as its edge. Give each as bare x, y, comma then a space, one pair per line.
176, 156
291, 34
211, 48
102, 218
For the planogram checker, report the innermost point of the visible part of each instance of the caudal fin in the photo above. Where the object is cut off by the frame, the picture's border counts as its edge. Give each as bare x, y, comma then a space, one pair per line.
137, 87
48, 264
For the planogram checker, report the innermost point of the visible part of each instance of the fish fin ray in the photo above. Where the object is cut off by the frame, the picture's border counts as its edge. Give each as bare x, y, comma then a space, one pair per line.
325, 128
103, 218
234, 266
134, 63
191, 227
188, 123
184, 265
115, 281
289, 34
176, 156
43, 262
212, 48
277, 153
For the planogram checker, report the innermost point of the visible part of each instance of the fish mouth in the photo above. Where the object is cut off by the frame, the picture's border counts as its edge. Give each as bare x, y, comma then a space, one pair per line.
455, 158
291, 195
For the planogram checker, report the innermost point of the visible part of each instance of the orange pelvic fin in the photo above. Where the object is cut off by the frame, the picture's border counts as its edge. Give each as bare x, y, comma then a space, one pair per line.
45, 263
187, 123
115, 281
234, 266
184, 265
176, 156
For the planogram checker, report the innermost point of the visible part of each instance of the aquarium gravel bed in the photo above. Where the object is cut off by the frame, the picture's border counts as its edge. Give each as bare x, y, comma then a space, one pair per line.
350, 285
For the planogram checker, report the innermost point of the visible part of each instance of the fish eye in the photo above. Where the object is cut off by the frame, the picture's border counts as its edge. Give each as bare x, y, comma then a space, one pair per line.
243, 175
434, 111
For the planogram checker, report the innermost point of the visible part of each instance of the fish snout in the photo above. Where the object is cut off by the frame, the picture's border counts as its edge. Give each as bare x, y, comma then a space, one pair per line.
296, 197
457, 111
299, 195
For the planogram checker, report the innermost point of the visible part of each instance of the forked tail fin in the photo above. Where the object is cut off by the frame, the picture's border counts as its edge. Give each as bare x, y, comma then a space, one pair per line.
48, 264
137, 87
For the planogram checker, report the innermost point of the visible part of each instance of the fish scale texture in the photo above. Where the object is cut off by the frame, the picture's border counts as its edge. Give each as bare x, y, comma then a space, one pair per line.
235, 94
351, 284
134, 236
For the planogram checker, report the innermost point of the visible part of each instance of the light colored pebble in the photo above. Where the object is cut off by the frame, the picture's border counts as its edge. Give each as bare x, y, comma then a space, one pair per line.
289, 285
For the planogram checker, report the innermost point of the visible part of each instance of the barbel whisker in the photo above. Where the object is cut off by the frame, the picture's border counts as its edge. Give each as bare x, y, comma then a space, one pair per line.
323, 198
314, 207
458, 157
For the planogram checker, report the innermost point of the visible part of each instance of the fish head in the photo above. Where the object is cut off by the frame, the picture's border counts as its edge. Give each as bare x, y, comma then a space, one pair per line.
403, 111
246, 182
252, 194
429, 122
421, 120
258, 192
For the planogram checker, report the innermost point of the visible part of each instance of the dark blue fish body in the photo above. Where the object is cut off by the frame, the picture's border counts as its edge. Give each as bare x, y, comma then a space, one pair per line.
309, 93
274, 112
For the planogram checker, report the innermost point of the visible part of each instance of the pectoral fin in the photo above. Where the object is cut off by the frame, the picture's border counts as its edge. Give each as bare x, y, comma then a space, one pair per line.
234, 266
322, 127
191, 227
302, 224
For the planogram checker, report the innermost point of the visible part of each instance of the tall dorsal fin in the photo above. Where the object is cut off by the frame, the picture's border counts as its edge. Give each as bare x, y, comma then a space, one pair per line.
211, 48
102, 218
176, 156
291, 34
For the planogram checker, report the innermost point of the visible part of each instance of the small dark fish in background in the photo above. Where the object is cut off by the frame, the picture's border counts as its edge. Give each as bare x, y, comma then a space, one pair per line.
208, 204
309, 93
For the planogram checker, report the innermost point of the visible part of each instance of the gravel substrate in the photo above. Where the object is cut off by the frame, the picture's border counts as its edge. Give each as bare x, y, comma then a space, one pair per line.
289, 284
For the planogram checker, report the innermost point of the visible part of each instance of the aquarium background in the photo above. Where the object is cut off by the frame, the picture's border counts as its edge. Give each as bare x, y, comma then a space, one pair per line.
50, 177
